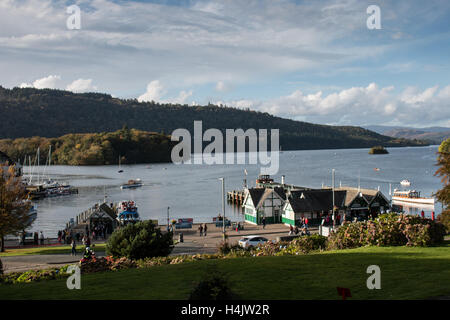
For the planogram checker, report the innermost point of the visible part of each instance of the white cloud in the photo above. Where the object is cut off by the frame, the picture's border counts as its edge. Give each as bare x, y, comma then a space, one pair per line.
360, 105
182, 97
50, 82
194, 44
222, 87
81, 85
153, 93
156, 90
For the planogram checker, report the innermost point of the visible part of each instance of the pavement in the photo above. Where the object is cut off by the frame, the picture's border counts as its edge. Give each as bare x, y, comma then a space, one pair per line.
193, 244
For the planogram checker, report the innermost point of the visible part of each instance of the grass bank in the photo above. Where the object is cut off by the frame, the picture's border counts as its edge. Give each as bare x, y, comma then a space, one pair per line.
48, 250
406, 273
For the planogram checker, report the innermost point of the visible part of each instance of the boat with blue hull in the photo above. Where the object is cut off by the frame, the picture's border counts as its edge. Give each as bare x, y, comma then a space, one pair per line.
127, 212
132, 184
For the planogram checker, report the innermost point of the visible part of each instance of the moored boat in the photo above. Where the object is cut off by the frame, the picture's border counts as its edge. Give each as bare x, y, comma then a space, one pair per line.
411, 196
127, 212
131, 184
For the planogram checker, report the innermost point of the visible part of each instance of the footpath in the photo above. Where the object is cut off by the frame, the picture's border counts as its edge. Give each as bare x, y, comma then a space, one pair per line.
192, 244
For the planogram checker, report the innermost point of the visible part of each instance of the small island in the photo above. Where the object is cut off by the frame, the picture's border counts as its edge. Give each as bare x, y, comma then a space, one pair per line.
378, 150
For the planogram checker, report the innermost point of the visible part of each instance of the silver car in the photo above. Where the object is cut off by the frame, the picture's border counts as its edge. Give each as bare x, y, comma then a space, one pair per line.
252, 241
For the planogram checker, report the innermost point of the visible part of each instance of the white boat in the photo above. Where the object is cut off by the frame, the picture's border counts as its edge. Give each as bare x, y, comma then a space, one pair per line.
405, 183
411, 196
131, 184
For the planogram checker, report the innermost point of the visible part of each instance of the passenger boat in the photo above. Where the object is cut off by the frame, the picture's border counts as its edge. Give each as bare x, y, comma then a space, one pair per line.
411, 196
127, 212
131, 184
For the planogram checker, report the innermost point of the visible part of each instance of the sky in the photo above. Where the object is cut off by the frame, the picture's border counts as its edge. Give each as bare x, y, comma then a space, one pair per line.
314, 61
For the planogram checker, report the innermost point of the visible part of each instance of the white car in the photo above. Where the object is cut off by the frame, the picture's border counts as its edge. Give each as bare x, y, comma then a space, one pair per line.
252, 241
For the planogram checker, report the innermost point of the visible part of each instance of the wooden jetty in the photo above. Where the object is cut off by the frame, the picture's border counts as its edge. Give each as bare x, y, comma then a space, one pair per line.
236, 197
98, 213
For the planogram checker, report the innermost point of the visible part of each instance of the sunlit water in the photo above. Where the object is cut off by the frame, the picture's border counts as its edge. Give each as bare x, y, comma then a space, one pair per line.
194, 191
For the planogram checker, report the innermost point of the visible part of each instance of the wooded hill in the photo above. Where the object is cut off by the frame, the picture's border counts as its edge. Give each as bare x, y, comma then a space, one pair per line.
132, 146
28, 112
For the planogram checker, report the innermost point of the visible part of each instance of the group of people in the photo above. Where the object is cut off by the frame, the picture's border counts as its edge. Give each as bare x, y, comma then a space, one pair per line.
304, 228
203, 229
38, 238
99, 231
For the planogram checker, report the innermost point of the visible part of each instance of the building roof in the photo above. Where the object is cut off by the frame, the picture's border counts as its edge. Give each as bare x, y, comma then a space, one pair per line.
316, 200
255, 195
258, 195
367, 194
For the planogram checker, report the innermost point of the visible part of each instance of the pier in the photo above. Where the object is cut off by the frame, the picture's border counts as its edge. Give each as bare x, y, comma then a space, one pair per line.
97, 213
236, 197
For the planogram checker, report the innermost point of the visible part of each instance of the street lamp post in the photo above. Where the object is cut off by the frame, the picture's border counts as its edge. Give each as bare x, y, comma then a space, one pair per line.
333, 173
223, 205
168, 225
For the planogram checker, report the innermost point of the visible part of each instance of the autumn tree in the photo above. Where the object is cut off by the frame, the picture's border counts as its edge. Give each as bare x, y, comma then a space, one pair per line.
443, 195
14, 209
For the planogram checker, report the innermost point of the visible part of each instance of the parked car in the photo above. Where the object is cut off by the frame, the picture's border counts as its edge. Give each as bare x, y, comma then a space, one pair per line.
252, 241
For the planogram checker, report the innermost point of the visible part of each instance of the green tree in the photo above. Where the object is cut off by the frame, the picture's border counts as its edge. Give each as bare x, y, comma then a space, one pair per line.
138, 241
443, 161
443, 195
14, 209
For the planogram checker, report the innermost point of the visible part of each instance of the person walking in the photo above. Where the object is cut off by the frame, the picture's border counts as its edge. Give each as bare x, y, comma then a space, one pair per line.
264, 222
306, 222
291, 230
88, 242
422, 214
41, 237
200, 230
205, 229
74, 247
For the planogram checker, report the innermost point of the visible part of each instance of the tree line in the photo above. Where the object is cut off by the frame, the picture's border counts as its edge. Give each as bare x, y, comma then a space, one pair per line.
105, 148
28, 112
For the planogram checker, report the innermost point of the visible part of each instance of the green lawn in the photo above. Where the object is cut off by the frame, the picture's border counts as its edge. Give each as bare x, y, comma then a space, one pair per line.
47, 250
406, 273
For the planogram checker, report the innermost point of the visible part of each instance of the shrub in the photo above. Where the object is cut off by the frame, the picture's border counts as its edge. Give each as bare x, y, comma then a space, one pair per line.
139, 241
224, 247
444, 218
388, 230
306, 244
213, 287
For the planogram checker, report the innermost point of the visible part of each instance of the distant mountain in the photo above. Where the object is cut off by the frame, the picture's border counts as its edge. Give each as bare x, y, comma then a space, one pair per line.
30, 112
435, 135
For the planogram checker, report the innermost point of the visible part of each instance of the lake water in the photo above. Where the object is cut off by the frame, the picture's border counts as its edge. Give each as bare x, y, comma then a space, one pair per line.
194, 191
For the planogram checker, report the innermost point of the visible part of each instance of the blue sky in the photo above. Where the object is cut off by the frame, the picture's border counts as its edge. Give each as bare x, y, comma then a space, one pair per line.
308, 60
